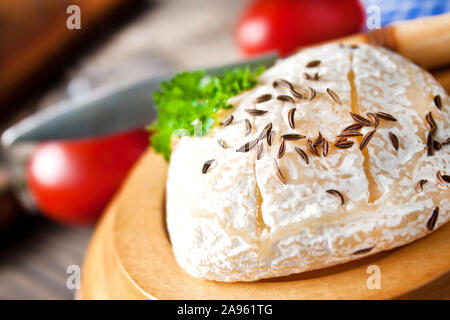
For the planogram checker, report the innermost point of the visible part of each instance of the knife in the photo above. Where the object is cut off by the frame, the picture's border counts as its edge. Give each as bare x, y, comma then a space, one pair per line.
104, 110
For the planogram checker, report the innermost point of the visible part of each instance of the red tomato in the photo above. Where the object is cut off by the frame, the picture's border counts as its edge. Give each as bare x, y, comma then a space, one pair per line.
285, 25
72, 181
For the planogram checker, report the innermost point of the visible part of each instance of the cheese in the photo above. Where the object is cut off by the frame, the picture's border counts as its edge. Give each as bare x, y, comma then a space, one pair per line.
239, 222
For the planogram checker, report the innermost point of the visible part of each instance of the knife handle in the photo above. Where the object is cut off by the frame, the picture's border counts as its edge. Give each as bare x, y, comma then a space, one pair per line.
426, 41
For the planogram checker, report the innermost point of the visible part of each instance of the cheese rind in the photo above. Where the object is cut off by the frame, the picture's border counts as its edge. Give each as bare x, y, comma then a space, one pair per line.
238, 222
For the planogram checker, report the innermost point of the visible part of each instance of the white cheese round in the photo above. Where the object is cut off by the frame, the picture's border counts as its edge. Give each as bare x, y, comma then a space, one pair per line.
239, 222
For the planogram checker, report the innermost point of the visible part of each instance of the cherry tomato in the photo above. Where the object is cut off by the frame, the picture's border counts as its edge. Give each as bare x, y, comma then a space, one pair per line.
72, 181
285, 25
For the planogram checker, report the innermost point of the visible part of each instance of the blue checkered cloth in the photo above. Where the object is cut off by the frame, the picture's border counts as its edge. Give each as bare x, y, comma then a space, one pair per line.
395, 10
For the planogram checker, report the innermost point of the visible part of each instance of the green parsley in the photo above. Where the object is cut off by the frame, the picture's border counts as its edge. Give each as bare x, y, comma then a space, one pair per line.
190, 97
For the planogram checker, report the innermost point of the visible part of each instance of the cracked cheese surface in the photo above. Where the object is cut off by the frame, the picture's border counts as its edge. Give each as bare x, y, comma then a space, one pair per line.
238, 222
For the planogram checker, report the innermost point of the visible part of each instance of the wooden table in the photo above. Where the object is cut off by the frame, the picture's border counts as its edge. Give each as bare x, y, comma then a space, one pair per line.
34, 257
169, 35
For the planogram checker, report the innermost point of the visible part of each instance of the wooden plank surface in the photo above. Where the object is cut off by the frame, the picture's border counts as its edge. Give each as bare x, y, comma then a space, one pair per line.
34, 257
168, 36
34, 35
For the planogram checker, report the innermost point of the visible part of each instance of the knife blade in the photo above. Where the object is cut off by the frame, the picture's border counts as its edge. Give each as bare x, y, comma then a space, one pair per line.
104, 110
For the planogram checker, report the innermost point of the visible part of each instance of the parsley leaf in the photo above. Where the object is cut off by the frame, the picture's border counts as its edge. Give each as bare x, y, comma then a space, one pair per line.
190, 97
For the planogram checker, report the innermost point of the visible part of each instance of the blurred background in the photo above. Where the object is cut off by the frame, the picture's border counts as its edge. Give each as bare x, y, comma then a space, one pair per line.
52, 193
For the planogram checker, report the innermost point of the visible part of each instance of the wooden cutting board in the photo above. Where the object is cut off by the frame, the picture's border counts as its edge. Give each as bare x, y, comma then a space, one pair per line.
130, 257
